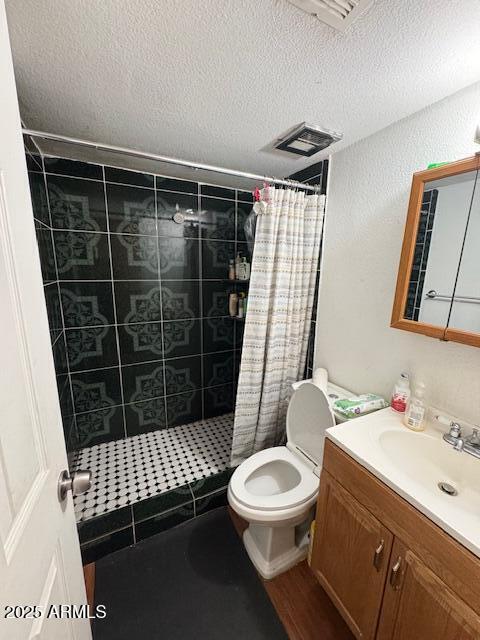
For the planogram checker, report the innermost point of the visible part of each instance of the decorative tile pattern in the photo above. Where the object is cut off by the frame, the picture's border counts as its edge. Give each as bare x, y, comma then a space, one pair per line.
218, 368
169, 203
218, 399
136, 300
149, 385
183, 374
91, 348
104, 425
134, 257
216, 257
179, 258
54, 310
46, 252
97, 389
81, 255
180, 300
134, 469
131, 209
140, 342
184, 407
145, 416
218, 334
215, 298
76, 204
87, 303
181, 338
217, 218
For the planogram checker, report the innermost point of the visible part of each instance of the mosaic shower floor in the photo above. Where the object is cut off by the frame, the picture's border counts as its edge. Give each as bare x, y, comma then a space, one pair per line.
127, 471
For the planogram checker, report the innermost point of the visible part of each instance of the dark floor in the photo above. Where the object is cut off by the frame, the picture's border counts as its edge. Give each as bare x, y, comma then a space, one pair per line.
193, 581
307, 613
301, 604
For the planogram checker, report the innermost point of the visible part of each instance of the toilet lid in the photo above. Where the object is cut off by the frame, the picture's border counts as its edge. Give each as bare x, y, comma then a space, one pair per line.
308, 416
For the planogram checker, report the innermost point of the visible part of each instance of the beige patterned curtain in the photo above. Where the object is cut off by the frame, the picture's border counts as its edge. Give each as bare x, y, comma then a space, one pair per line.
280, 300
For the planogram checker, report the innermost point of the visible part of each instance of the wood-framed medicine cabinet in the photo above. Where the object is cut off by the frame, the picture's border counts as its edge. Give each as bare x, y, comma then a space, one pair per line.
438, 282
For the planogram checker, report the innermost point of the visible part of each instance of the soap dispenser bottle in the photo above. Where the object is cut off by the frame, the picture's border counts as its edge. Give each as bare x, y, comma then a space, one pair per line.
415, 414
401, 393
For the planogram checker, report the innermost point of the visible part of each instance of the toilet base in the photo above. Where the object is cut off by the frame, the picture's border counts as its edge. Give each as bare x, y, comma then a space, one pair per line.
273, 550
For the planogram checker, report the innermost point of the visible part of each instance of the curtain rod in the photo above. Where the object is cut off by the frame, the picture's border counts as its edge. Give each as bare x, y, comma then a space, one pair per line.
153, 156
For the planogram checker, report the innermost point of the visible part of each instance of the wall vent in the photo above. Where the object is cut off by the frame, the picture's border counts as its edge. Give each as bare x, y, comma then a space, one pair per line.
339, 14
306, 139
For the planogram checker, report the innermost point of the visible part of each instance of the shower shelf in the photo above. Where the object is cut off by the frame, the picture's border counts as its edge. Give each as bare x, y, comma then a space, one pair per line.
237, 318
237, 281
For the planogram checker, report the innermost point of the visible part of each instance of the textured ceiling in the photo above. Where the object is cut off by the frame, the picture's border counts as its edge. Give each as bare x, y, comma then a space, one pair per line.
216, 81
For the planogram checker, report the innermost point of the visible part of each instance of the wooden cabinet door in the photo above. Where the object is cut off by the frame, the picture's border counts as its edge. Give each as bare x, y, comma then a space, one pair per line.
418, 605
350, 556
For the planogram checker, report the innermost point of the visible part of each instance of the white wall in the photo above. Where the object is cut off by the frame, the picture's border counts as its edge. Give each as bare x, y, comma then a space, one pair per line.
369, 187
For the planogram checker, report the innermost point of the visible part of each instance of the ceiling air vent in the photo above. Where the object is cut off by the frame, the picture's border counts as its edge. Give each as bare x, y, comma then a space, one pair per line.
306, 139
338, 14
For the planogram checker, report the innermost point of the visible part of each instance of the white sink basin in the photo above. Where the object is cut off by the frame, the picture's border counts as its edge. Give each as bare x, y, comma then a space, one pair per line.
429, 461
413, 465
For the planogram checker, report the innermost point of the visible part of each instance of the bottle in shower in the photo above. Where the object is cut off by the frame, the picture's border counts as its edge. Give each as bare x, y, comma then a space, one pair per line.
238, 262
233, 304
241, 310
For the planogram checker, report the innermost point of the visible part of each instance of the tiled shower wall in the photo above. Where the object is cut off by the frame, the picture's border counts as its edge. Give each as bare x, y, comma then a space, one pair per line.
314, 174
137, 304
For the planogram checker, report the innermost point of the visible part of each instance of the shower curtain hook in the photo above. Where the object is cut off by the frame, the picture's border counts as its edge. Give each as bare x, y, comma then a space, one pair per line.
266, 188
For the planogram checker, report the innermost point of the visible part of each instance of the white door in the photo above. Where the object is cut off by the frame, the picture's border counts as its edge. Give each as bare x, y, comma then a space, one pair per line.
39, 551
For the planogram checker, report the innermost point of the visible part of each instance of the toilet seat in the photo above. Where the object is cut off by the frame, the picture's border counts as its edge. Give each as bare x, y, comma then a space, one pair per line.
271, 461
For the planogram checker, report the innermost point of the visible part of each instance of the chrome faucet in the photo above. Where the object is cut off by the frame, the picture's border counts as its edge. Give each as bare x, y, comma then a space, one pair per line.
470, 444
474, 438
454, 436
459, 445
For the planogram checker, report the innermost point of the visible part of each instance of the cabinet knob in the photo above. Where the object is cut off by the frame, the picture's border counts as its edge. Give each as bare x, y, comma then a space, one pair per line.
378, 555
395, 574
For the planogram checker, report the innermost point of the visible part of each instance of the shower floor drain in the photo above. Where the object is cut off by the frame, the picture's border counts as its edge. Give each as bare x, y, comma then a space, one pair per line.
447, 488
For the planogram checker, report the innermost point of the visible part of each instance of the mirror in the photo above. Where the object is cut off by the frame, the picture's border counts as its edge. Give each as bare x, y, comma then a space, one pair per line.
438, 284
465, 311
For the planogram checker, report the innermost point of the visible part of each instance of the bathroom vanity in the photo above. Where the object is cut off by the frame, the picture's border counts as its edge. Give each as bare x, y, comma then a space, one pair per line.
399, 558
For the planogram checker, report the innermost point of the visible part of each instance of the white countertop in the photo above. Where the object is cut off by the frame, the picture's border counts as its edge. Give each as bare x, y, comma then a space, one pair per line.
412, 464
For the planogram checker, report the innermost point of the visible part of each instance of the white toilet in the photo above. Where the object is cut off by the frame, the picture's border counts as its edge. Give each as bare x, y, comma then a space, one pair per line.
275, 490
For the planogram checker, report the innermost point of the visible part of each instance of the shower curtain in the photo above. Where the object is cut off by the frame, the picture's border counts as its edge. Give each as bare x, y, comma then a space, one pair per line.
280, 301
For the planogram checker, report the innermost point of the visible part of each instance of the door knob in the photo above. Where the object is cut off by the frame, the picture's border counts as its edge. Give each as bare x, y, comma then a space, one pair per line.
79, 482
